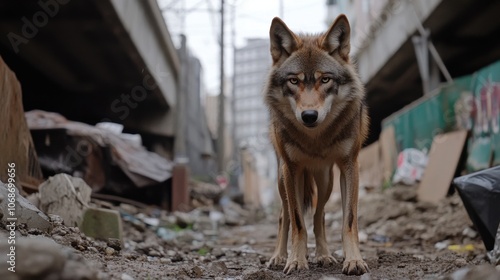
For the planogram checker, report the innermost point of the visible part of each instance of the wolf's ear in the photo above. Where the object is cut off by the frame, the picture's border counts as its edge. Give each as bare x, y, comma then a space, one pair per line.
283, 41
337, 38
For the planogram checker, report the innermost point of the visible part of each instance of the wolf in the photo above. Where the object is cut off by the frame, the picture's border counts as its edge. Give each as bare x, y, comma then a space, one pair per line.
318, 118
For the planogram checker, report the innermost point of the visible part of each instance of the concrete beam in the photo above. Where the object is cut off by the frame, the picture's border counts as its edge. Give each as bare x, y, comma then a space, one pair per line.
148, 31
385, 42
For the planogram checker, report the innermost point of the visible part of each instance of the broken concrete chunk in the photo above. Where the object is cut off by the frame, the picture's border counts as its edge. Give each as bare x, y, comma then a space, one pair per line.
25, 212
41, 258
102, 224
65, 196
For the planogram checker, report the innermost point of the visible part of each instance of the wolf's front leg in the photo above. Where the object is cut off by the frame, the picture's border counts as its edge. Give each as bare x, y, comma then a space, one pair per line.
324, 183
294, 186
280, 253
349, 184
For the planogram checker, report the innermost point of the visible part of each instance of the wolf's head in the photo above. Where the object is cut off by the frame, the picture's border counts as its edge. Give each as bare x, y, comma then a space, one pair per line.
312, 79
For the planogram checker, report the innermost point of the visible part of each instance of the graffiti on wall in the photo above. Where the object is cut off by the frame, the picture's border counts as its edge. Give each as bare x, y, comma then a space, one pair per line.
480, 111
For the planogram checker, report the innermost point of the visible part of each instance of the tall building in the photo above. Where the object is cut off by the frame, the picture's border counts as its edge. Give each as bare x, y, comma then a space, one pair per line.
212, 117
251, 65
251, 118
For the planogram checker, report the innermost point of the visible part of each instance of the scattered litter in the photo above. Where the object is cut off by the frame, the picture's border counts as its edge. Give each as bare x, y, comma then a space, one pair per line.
380, 238
363, 237
461, 248
442, 245
469, 232
411, 166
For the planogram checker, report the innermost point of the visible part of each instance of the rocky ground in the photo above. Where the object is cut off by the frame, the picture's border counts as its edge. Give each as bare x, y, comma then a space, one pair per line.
400, 239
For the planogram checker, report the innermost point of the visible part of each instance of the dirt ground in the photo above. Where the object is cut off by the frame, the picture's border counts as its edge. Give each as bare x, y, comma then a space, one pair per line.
400, 239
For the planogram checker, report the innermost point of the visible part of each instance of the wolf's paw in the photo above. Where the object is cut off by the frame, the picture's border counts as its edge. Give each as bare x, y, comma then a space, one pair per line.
295, 264
355, 267
326, 260
276, 261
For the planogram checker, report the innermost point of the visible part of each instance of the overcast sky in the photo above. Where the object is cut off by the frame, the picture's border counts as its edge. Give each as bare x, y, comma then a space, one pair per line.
252, 20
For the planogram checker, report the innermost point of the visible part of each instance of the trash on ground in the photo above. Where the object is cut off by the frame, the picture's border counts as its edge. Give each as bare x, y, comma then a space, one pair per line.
411, 166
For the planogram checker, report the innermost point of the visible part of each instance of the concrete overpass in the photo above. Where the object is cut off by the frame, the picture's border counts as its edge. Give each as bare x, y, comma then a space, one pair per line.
94, 60
466, 34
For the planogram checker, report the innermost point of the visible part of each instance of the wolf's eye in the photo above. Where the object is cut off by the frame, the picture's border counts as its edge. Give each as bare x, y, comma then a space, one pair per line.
293, 81
325, 80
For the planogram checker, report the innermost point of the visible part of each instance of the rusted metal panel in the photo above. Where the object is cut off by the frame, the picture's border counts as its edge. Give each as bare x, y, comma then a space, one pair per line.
15, 138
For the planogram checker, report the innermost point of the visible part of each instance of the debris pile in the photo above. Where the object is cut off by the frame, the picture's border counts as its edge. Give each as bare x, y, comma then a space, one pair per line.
102, 155
397, 216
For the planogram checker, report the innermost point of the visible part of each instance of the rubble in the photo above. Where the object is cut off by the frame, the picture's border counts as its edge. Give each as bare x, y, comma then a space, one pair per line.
385, 214
83, 152
482, 272
203, 243
65, 196
41, 258
204, 194
102, 224
26, 213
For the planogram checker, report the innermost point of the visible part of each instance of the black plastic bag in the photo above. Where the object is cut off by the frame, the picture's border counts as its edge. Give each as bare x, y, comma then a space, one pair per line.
480, 193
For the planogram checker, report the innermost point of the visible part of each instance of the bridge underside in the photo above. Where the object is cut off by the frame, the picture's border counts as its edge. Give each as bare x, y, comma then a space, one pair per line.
79, 59
465, 33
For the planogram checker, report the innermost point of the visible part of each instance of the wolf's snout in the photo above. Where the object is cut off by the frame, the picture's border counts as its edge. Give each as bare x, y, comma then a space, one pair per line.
309, 117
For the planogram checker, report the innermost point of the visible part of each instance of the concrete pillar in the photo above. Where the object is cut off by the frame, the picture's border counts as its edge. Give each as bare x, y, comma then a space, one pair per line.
180, 172
180, 187
428, 68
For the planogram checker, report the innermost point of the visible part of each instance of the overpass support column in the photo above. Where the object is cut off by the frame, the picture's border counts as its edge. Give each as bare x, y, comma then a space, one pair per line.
429, 70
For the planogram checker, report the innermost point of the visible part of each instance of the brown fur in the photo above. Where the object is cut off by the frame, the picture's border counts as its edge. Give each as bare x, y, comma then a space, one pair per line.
313, 73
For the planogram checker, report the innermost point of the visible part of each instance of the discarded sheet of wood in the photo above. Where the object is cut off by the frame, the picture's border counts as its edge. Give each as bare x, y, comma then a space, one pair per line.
389, 151
370, 167
444, 156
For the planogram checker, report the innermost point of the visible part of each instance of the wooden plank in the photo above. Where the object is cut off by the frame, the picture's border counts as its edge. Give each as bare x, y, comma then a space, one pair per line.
370, 167
251, 194
442, 164
389, 151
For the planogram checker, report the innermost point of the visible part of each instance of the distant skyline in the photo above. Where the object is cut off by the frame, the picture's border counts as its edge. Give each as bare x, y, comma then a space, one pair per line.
253, 18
